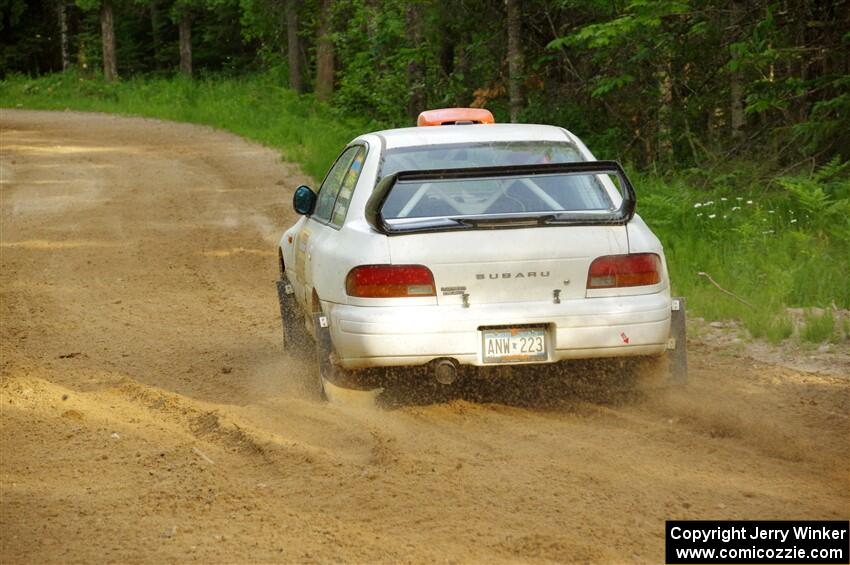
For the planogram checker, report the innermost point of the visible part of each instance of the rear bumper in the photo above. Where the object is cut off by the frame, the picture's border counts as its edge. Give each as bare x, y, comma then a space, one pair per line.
576, 329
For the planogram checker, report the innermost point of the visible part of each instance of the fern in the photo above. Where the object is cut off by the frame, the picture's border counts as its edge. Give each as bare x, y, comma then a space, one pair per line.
824, 198
832, 169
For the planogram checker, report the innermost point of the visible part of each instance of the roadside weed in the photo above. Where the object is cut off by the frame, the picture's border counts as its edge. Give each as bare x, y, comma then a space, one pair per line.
771, 248
771, 325
818, 327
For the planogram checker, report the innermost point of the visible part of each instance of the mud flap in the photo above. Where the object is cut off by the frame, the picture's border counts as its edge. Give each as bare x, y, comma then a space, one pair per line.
290, 317
677, 349
336, 384
324, 349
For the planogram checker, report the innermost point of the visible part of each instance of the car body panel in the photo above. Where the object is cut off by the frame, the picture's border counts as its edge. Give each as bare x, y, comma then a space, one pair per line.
408, 335
519, 265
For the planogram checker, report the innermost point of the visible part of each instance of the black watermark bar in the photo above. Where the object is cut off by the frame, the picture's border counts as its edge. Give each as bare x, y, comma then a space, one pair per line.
711, 541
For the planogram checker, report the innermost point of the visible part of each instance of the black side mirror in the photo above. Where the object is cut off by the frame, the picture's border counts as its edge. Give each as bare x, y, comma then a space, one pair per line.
304, 200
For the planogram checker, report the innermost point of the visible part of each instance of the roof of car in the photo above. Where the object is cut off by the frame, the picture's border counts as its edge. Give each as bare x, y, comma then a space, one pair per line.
472, 133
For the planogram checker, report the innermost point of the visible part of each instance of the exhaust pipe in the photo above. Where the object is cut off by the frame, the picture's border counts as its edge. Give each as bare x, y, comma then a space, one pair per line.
445, 371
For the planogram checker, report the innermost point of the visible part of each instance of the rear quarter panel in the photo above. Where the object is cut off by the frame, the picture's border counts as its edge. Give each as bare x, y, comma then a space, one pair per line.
355, 244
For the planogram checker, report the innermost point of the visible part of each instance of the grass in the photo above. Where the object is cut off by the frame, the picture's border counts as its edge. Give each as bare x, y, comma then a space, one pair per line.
777, 243
759, 242
771, 324
819, 327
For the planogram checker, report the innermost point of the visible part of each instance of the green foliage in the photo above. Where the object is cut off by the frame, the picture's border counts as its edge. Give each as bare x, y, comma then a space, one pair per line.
12, 10
771, 324
608, 84
826, 126
372, 41
818, 327
773, 249
640, 17
823, 200
88, 5
25, 39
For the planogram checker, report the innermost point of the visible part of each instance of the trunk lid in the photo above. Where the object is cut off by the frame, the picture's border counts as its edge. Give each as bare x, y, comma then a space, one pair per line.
509, 265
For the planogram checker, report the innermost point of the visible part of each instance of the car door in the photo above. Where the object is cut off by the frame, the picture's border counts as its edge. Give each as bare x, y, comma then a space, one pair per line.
322, 228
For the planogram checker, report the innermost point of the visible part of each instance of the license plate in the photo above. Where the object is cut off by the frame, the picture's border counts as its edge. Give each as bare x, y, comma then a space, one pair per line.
514, 345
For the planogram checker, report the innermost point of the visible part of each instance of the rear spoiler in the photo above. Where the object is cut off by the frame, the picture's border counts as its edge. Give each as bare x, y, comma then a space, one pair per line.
621, 216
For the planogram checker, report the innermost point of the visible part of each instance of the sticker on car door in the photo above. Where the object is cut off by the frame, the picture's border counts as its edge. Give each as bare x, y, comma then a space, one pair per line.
301, 254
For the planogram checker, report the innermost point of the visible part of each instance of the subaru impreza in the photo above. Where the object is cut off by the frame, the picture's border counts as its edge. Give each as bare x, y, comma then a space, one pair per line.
463, 243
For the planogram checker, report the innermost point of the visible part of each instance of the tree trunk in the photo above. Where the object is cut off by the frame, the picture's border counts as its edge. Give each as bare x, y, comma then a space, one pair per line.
801, 66
62, 12
415, 68
107, 33
449, 40
325, 53
447, 56
736, 92
293, 46
156, 35
514, 57
736, 89
665, 114
185, 31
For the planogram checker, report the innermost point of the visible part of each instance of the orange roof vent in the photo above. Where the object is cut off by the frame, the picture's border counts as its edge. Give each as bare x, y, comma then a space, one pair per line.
450, 116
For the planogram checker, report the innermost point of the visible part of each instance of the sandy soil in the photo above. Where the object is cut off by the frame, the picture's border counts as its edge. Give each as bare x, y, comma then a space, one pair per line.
148, 413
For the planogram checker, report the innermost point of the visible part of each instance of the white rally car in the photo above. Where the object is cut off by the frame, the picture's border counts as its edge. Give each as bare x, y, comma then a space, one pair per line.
461, 243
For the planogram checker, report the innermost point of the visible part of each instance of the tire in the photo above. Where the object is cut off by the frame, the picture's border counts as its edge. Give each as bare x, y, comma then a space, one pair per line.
296, 339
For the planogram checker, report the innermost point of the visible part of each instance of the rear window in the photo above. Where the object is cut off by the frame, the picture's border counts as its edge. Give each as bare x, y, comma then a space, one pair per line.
474, 155
498, 195
502, 196
494, 195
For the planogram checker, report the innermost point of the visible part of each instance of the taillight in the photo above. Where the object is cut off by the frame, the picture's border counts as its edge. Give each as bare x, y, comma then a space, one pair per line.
390, 281
612, 271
